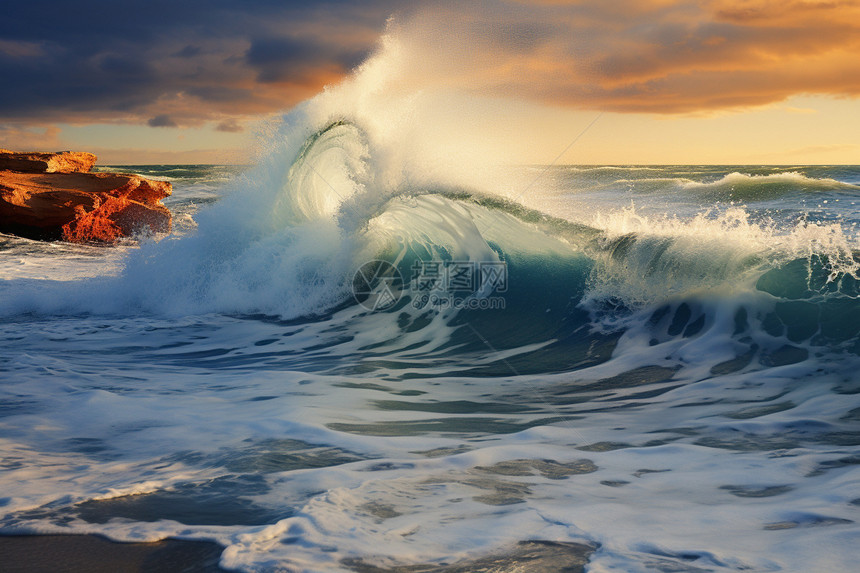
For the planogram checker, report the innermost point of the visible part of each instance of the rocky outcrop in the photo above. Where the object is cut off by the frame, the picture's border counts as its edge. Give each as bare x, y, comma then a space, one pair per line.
60, 162
80, 207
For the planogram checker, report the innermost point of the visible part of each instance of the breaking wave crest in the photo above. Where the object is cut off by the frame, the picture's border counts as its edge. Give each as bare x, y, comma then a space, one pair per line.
287, 240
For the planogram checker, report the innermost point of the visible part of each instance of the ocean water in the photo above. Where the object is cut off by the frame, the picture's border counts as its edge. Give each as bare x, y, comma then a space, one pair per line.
329, 368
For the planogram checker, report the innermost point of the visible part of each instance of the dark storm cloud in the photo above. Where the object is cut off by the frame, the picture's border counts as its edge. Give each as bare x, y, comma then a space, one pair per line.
186, 61
282, 59
161, 121
188, 51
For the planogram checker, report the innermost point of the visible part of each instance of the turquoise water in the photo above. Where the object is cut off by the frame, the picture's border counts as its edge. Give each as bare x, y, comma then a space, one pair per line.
657, 362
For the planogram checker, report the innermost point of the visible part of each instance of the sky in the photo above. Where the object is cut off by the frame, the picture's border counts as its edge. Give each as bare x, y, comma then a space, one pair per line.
625, 81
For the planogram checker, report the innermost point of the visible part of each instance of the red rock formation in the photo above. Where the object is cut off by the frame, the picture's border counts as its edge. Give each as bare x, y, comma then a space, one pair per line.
34, 162
81, 207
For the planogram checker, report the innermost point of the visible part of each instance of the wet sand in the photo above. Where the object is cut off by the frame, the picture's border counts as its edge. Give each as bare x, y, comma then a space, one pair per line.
92, 554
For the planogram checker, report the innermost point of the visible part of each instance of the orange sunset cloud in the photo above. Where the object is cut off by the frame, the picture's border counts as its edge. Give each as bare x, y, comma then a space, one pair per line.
660, 58
664, 56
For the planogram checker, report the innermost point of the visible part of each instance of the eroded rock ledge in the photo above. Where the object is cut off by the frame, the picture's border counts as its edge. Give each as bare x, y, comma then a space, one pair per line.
52, 197
35, 162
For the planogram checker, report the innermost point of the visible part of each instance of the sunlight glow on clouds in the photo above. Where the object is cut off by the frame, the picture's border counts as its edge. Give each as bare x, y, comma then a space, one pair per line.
661, 56
219, 66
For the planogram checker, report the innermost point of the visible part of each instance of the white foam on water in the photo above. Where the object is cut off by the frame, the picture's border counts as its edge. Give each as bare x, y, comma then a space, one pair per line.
781, 506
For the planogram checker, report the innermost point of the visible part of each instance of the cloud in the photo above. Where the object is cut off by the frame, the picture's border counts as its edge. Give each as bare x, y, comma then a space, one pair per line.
657, 56
230, 126
20, 50
188, 51
290, 59
198, 59
161, 121
184, 64
30, 139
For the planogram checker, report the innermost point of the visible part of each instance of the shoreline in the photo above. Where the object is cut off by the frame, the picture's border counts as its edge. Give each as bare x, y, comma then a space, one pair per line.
91, 553
77, 553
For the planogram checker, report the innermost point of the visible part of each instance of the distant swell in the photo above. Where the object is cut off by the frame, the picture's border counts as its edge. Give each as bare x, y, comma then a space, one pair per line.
744, 187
